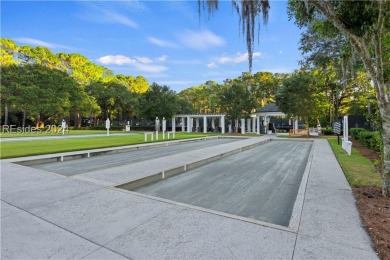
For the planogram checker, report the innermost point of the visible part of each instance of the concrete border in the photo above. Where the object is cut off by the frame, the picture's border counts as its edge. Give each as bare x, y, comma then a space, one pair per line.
134, 184
66, 156
298, 205
44, 214
214, 212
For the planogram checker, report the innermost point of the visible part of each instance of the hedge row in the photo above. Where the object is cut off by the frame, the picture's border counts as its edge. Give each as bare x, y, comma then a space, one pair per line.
116, 128
327, 131
371, 140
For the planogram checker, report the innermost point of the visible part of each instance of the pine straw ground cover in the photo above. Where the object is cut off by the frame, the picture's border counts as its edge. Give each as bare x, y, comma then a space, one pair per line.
374, 208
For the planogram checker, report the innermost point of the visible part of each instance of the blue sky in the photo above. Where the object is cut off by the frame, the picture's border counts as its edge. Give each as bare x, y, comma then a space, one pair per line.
165, 41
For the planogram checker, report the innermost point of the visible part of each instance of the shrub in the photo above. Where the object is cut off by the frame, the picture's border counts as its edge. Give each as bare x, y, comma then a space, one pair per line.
355, 132
100, 127
370, 140
143, 128
376, 142
327, 131
364, 138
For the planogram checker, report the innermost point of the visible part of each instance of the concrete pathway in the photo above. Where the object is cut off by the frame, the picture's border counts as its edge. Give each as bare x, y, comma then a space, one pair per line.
46, 215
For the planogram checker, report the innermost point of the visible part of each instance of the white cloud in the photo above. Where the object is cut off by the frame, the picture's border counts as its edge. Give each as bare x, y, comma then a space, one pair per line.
238, 58
114, 17
201, 40
116, 59
161, 58
35, 42
212, 65
100, 13
142, 64
144, 60
161, 43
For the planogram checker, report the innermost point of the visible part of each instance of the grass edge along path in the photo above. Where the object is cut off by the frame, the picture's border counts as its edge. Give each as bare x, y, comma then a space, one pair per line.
67, 133
358, 170
40, 147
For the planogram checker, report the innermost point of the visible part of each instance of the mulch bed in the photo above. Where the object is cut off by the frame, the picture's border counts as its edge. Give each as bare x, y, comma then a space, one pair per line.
374, 208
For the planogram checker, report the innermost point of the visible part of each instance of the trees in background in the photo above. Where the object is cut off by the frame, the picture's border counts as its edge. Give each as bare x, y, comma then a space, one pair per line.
364, 27
299, 95
236, 100
40, 92
202, 98
158, 101
43, 85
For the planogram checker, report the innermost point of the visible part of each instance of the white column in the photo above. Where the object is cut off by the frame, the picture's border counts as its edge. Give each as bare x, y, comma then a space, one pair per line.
345, 130
173, 124
236, 125
164, 126
213, 123
222, 124
248, 122
197, 124
243, 126
183, 124
295, 124
258, 125
253, 125
204, 124
265, 125
189, 125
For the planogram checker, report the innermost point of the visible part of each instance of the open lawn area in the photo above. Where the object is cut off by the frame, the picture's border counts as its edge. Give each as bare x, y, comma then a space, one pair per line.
42, 146
359, 170
44, 133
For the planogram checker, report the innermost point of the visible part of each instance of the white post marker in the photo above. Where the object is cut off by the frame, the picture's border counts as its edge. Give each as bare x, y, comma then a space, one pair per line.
157, 127
347, 145
146, 136
108, 124
164, 127
63, 125
222, 124
173, 134
204, 124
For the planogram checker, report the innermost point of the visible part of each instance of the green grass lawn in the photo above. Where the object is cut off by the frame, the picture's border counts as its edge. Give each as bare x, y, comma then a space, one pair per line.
38, 147
44, 133
359, 170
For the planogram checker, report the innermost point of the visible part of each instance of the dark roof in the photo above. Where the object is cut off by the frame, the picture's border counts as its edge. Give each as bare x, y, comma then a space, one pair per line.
272, 107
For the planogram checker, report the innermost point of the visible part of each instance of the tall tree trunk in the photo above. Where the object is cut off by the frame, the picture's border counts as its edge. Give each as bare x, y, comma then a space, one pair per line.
24, 118
6, 114
385, 112
38, 121
78, 120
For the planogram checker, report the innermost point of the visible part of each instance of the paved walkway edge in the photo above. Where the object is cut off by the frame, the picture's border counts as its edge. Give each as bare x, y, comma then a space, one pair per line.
44, 215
